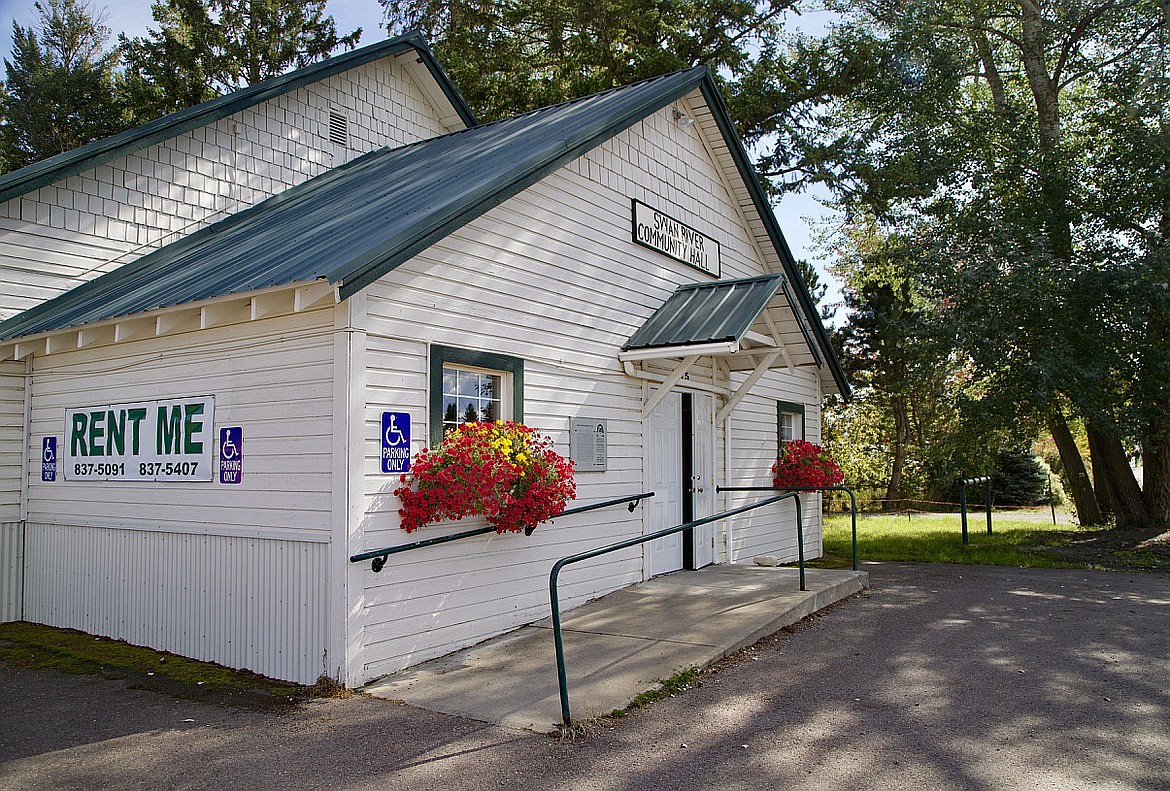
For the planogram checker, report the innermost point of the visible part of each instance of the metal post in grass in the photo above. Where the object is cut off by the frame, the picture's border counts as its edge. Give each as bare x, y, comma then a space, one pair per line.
963, 507
963, 484
987, 499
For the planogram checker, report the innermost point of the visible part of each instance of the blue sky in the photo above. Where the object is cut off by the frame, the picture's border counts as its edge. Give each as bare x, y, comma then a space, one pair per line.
132, 17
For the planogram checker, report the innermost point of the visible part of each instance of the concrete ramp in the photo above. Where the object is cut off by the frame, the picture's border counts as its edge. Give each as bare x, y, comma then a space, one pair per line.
618, 646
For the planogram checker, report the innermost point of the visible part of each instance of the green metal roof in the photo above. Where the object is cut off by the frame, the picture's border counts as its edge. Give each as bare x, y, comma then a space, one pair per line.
353, 224
70, 163
698, 313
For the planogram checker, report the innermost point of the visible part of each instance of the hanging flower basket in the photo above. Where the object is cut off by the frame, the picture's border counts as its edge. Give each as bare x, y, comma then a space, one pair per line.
803, 464
504, 471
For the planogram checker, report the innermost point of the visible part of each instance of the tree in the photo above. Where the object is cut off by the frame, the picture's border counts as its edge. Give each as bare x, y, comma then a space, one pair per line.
1002, 136
203, 48
890, 350
1019, 478
510, 57
60, 90
817, 289
176, 66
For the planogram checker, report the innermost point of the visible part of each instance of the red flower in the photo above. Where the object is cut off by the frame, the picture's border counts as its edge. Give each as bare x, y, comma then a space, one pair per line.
504, 471
805, 464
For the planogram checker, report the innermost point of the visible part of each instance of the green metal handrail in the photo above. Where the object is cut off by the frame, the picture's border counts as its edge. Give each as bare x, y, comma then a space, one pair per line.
554, 598
963, 484
846, 489
377, 557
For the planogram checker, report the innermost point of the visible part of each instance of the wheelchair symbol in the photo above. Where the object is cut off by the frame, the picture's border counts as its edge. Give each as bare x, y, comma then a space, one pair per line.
49, 451
394, 435
229, 449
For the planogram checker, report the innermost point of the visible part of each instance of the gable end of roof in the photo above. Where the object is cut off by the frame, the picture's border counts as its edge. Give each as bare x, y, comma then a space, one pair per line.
70, 163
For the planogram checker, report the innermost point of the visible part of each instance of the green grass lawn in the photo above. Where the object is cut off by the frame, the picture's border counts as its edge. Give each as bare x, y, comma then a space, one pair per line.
938, 538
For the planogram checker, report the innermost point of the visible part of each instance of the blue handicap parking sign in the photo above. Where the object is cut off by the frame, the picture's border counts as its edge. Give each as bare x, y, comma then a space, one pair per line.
49, 459
395, 442
231, 454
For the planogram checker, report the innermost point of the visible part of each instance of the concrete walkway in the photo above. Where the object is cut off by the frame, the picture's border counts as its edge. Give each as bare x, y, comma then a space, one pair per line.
618, 646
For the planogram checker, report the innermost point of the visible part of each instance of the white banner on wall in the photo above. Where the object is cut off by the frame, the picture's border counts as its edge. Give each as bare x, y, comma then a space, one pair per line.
165, 440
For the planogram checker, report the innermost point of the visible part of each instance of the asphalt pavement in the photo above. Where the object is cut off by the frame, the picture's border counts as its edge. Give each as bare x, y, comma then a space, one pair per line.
940, 677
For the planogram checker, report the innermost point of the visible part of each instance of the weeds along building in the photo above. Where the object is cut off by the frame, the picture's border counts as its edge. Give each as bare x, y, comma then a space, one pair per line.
216, 324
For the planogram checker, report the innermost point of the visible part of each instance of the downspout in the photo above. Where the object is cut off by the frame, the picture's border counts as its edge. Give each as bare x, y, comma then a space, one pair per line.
26, 453
25, 462
727, 495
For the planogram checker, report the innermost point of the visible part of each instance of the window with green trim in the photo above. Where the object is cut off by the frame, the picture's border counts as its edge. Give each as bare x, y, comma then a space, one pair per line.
789, 423
468, 385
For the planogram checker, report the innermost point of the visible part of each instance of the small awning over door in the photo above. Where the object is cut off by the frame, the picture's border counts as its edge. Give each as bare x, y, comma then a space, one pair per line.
749, 325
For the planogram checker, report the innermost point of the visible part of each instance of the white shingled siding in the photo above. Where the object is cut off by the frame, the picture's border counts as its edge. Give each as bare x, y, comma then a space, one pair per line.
238, 574
553, 277
59, 235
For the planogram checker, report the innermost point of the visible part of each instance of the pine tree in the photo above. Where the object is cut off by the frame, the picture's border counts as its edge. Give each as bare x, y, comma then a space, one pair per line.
60, 91
204, 48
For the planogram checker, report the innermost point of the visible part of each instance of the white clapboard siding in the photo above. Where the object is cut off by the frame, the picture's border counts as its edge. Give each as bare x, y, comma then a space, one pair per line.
771, 530
12, 397
11, 570
553, 277
242, 602
71, 231
274, 378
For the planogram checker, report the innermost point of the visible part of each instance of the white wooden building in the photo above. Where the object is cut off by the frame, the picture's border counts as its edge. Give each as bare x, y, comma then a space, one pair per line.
211, 317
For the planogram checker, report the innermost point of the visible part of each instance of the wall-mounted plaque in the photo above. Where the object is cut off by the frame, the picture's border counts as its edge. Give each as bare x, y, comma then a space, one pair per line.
589, 445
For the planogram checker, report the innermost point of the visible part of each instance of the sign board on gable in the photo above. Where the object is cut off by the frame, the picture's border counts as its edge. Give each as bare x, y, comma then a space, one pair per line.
589, 445
681, 242
395, 442
163, 440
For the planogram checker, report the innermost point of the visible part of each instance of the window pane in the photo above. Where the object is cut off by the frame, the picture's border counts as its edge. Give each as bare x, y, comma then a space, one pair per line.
790, 426
450, 382
488, 386
468, 384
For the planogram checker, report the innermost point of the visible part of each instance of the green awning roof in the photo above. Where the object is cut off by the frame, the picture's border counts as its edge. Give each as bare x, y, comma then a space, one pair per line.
704, 313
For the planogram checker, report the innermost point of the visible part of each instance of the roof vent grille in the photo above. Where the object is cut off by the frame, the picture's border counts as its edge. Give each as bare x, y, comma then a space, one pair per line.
338, 128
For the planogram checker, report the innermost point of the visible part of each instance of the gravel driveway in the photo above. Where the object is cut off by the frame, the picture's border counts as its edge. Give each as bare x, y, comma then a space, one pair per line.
941, 677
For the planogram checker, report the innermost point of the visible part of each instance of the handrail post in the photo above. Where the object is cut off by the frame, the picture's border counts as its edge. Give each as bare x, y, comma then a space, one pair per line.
799, 538
558, 642
853, 504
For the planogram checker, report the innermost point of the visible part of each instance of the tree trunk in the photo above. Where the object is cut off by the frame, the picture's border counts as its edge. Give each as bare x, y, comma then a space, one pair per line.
901, 441
1156, 478
1079, 485
1114, 477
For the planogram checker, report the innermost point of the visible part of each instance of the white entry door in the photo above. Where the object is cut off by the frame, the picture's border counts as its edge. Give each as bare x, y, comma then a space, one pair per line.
664, 477
702, 483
